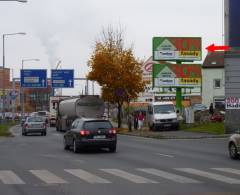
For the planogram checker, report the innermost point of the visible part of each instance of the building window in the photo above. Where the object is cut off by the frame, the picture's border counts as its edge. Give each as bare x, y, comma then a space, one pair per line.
217, 83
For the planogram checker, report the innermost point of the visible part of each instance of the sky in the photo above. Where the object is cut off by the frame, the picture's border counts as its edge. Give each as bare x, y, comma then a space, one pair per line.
66, 30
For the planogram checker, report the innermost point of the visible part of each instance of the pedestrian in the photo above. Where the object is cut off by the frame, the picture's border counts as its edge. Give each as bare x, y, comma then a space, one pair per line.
135, 120
140, 120
130, 121
211, 110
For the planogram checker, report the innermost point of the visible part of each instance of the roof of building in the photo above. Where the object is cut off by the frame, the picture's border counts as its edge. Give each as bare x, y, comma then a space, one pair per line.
214, 60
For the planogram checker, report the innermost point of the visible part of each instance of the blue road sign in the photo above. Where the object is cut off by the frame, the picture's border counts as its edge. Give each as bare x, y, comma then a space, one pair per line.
62, 78
33, 78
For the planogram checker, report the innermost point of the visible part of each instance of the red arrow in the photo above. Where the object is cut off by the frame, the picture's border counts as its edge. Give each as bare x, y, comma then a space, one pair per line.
213, 48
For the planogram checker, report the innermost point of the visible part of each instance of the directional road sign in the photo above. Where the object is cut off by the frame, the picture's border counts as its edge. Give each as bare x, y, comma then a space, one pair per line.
62, 78
36, 78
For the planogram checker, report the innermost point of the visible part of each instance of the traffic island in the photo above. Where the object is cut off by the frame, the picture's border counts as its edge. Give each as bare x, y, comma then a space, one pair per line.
5, 129
197, 131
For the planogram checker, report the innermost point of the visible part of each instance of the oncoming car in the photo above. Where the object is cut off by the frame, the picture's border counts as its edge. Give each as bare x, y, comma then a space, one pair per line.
234, 146
90, 133
34, 124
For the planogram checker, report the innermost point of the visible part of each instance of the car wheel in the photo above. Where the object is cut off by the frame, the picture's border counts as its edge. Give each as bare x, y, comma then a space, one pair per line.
45, 133
23, 134
75, 149
233, 153
113, 149
66, 147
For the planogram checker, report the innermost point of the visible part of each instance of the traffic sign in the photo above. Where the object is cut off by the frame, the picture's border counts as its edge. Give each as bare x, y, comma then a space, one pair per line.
62, 78
177, 48
36, 78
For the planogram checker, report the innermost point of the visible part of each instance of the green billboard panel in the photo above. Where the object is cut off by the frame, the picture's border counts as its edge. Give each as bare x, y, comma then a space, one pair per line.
177, 75
177, 48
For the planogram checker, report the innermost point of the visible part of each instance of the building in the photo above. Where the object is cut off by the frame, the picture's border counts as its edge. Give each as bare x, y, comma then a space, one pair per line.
213, 90
35, 99
7, 94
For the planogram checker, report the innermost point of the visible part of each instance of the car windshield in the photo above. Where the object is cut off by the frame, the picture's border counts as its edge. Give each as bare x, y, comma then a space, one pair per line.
168, 108
35, 119
95, 125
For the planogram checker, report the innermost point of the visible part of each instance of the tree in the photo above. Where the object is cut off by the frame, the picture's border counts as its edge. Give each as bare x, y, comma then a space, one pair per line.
116, 69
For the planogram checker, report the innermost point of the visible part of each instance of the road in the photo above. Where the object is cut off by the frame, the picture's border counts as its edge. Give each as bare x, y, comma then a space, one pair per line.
38, 165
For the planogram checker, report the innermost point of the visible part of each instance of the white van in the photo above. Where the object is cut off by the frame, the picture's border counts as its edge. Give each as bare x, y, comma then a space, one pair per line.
162, 115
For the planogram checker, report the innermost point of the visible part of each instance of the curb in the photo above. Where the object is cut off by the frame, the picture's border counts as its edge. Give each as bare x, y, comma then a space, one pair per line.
175, 137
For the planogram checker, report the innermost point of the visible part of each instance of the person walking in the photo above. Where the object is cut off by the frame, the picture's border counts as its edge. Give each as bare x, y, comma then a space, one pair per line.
140, 120
130, 120
135, 120
211, 110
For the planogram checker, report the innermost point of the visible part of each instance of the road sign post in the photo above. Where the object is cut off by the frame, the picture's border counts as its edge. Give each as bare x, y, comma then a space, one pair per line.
31, 78
62, 78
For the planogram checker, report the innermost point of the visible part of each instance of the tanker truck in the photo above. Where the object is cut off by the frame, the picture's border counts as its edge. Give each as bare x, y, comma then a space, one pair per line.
85, 106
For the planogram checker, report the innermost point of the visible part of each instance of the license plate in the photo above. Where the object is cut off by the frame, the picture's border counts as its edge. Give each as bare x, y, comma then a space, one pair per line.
167, 125
99, 137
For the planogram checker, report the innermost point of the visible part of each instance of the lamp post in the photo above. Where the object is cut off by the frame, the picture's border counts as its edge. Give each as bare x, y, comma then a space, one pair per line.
22, 89
3, 66
21, 1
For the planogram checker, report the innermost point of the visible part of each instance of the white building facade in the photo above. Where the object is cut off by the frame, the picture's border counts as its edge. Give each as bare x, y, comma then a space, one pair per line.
213, 80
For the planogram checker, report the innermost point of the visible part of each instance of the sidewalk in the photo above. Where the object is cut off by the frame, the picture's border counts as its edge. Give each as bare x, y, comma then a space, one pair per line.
166, 134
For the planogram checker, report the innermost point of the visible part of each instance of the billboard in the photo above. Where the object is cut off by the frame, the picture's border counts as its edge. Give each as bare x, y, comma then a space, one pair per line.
177, 48
177, 75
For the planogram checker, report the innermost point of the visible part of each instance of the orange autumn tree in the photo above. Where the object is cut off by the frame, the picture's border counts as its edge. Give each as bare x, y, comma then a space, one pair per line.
115, 69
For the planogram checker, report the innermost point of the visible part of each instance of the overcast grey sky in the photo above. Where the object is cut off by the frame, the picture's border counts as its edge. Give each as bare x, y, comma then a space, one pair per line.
66, 29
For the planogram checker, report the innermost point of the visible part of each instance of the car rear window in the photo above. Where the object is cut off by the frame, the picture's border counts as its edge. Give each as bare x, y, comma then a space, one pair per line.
42, 113
35, 119
95, 125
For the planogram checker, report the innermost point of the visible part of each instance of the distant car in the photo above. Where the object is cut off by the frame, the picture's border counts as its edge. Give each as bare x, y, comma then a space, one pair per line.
34, 124
23, 119
91, 133
234, 146
199, 107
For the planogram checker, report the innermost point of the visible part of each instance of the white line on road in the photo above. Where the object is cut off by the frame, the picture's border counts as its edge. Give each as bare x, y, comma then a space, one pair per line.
8, 177
210, 175
170, 176
228, 170
165, 155
86, 176
47, 177
128, 176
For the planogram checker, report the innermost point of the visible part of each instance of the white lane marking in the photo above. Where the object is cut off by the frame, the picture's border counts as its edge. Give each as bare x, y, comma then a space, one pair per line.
86, 176
47, 177
210, 175
228, 170
8, 177
170, 176
128, 176
166, 155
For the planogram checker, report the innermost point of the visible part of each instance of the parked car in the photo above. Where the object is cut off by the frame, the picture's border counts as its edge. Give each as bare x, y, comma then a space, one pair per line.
199, 107
234, 146
90, 133
34, 124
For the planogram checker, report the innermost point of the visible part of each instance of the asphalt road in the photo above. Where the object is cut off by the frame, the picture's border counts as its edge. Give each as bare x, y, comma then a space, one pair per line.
38, 165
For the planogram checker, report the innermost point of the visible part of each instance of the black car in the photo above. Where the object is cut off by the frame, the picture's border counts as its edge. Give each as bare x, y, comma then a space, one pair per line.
91, 133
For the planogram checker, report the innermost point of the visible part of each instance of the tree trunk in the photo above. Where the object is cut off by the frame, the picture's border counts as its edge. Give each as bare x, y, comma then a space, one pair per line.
119, 115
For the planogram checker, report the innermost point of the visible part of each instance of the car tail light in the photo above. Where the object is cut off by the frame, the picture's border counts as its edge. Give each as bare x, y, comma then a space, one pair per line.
112, 131
84, 132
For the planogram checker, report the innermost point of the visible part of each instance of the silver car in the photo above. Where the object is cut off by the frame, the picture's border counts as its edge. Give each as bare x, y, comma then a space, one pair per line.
34, 124
234, 146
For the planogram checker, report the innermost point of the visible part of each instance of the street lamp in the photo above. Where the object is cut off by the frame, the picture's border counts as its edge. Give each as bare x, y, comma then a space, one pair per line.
3, 66
21, 1
22, 89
